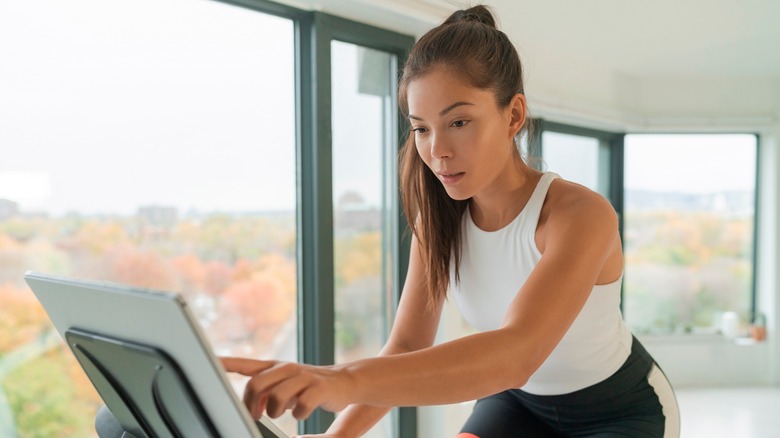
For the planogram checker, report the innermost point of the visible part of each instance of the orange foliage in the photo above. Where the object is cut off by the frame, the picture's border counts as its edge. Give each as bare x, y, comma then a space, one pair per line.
243, 270
283, 269
99, 237
7, 242
218, 277
191, 271
261, 304
140, 268
362, 257
22, 319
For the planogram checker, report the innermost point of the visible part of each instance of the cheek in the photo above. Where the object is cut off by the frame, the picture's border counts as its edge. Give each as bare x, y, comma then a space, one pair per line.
489, 152
496, 145
423, 151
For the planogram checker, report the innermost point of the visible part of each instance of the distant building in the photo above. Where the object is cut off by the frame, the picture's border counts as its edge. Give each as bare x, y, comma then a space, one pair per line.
732, 204
353, 215
154, 222
8, 209
157, 216
357, 219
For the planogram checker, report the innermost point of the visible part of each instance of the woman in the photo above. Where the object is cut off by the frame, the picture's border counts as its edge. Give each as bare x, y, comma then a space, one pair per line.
533, 261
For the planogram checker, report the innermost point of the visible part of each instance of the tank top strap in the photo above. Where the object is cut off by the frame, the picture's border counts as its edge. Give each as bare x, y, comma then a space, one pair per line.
533, 208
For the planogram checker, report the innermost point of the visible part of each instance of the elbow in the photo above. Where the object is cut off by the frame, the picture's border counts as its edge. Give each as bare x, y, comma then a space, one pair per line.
516, 379
504, 380
400, 346
512, 374
519, 382
521, 363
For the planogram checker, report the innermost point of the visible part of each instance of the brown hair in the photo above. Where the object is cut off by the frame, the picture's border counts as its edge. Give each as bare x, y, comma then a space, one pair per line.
469, 45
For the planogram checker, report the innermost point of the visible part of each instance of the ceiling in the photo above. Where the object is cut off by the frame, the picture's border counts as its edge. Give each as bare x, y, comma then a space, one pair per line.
662, 37
621, 55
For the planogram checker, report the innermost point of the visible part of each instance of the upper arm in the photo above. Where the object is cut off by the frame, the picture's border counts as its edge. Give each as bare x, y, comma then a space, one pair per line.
580, 240
416, 321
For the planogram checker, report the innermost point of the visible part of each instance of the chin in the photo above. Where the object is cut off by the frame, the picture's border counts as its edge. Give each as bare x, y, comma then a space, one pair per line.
458, 195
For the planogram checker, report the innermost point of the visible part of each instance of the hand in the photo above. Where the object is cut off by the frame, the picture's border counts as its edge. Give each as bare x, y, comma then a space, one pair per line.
277, 386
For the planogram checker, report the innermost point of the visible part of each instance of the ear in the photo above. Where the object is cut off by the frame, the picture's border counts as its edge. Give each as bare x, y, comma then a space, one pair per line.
517, 113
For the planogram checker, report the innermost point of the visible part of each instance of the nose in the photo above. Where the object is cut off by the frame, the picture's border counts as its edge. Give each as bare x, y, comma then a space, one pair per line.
440, 148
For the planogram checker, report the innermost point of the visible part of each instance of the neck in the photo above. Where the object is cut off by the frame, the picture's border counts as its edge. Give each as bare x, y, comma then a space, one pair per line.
500, 203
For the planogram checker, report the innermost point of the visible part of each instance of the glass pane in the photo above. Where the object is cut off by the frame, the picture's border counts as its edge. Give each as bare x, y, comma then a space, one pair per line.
147, 143
577, 158
689, 218
363, 109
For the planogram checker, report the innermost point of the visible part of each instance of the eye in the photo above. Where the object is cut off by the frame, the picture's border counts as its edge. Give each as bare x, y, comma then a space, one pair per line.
420, 130
459, 123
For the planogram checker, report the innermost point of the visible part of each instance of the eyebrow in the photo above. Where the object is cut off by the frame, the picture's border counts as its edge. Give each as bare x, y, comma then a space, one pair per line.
445, 110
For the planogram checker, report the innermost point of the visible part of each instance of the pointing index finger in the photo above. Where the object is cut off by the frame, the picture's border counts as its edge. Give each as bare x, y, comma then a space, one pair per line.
244, 366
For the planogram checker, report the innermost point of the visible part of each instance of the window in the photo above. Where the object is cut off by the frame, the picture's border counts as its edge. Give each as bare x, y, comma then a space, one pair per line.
689, 230
145, 143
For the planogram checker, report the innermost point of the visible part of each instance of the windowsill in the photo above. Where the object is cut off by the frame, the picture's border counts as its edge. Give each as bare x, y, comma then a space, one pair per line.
698, 338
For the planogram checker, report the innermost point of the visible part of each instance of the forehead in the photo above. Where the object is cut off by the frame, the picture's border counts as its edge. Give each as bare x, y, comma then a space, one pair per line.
439, 88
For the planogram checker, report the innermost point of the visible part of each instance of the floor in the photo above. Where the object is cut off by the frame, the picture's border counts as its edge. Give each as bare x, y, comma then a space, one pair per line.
729, 412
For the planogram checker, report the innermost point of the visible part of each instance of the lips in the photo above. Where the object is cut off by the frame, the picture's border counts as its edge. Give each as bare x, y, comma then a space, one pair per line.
450, 177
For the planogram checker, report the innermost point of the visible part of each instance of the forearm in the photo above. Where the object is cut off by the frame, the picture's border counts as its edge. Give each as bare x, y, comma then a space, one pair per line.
460, 370
356, 420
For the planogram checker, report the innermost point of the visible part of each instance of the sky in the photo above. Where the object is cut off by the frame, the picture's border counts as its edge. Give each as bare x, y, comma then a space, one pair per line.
690, 163
106, 106
687, 163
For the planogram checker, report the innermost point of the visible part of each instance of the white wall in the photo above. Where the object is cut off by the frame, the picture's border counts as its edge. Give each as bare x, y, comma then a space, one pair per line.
769, 296
768, 280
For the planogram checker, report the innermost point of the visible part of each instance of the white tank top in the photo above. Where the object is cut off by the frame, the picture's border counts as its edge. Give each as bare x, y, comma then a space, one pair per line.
493, 267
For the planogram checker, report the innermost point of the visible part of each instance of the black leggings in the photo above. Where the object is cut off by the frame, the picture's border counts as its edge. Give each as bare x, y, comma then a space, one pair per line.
637, 401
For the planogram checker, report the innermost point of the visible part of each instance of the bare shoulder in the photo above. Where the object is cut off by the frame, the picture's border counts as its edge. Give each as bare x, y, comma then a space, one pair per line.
578, 221
569, 204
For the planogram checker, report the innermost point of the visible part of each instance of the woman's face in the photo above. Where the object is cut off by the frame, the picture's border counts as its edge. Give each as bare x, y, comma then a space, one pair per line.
461, 134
